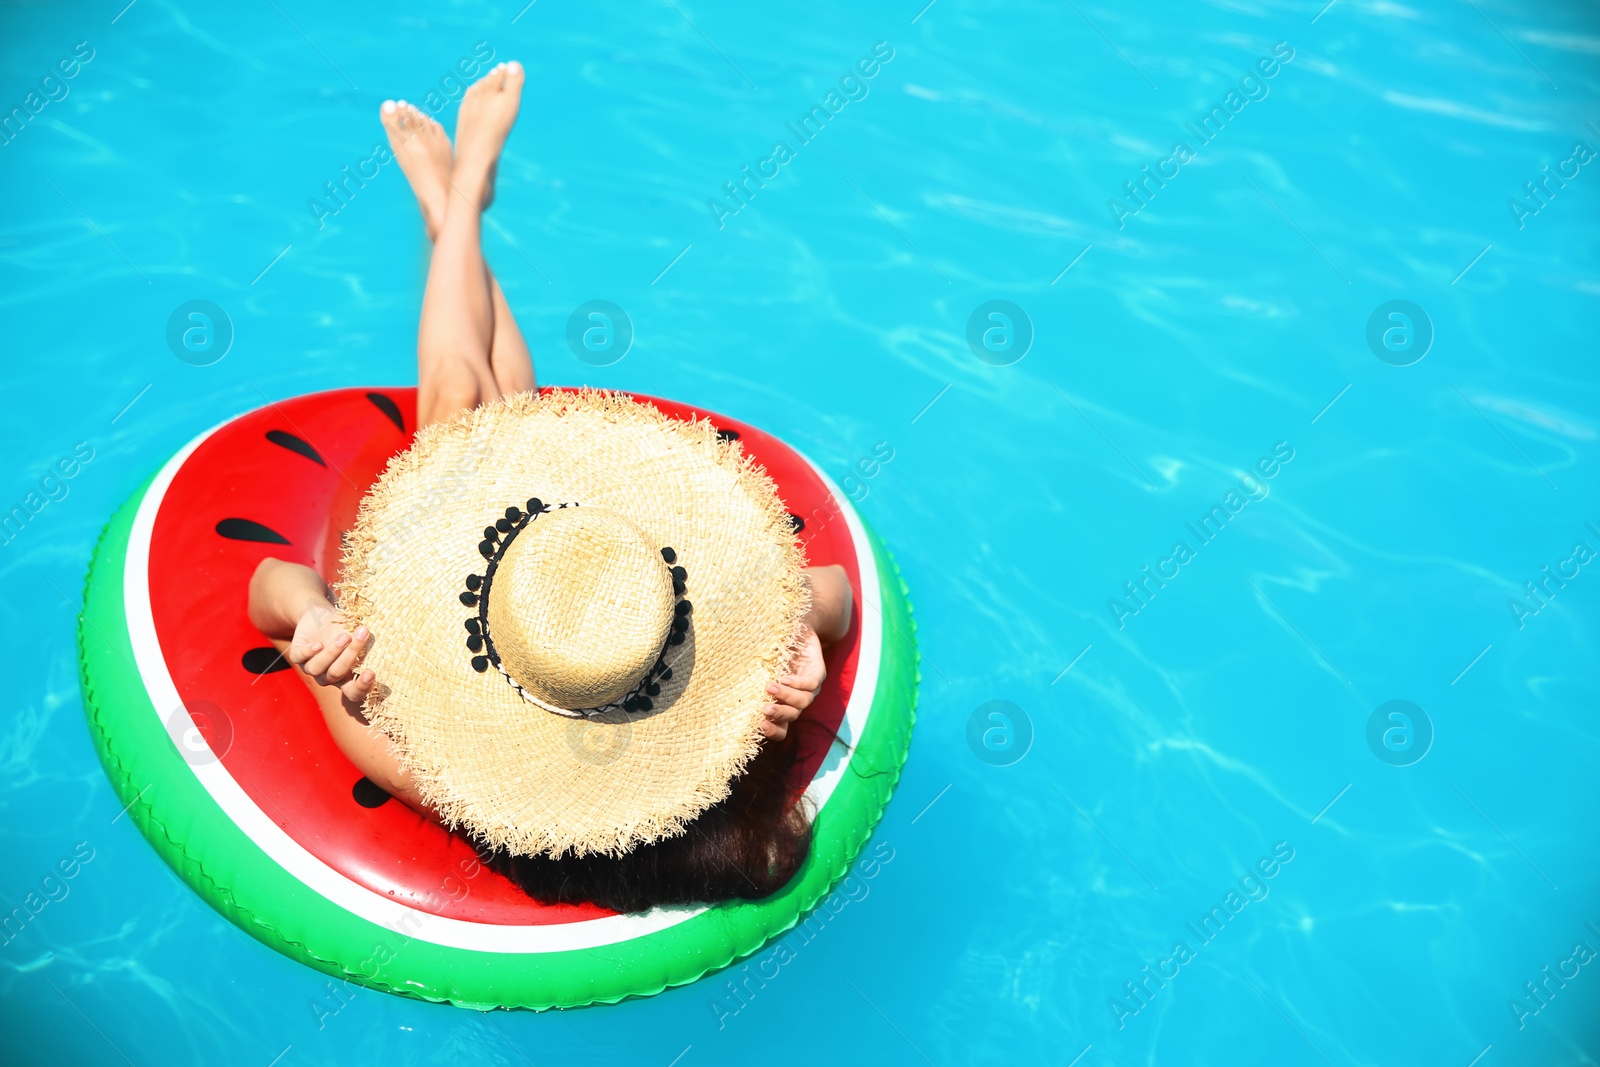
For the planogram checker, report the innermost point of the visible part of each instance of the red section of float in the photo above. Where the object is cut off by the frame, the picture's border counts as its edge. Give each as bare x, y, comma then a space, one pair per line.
285, 481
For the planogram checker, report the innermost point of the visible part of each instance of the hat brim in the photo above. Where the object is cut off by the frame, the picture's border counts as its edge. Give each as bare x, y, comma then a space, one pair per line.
512, 774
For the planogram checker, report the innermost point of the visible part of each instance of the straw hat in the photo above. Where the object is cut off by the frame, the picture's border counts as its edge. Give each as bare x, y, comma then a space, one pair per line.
577, 603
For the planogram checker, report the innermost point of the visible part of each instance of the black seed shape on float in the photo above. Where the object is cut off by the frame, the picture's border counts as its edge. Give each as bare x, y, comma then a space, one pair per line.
475, 642
266, 660
669, 555
369, 794
469, 599
653, 689
728, 435
684, 607
480, 663
797, 522
491, 534
513, 514
296, 444
390, 409
535, 505
487, 549
472, 625
675, 638
503, 525
250, 530
680, 574
474, 580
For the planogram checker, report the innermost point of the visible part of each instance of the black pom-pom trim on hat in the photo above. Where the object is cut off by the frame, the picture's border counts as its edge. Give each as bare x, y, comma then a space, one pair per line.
496, 541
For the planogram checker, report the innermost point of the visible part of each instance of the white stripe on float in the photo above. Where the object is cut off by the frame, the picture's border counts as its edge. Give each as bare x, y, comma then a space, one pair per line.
376, 907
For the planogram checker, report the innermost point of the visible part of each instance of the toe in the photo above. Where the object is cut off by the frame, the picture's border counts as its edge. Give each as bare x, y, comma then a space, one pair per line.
389, 115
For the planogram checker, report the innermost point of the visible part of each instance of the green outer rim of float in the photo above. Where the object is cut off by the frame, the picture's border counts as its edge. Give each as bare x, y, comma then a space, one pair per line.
231, 872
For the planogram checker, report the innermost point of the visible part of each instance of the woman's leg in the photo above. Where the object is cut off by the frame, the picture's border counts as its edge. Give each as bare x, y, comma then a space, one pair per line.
469, 348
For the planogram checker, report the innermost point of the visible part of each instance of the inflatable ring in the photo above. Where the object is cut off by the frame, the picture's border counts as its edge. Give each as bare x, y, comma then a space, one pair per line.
221, 757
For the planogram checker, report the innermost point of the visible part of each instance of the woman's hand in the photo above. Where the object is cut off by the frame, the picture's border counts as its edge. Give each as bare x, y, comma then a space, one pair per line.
794, 692
329, 653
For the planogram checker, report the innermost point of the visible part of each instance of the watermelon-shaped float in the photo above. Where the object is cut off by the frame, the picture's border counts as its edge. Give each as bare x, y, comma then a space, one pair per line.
222, 758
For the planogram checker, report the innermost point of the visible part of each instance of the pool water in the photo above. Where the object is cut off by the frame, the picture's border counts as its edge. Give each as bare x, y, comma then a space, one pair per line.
1171, 567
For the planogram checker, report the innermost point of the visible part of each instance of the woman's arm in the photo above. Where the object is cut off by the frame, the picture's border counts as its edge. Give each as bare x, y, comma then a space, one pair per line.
290, 604
831, 601
827, 621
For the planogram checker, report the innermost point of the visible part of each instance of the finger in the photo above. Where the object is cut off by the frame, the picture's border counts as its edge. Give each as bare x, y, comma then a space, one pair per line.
342, 668
318, 664
810, 677
357, 688
298, 654
773, 731
799, 699
782, 714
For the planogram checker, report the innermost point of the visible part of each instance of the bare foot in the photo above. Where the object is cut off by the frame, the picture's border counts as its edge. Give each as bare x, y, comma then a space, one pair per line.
423, 150
487, 113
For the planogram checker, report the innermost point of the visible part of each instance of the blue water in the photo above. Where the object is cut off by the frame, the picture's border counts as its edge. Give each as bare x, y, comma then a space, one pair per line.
1218, 322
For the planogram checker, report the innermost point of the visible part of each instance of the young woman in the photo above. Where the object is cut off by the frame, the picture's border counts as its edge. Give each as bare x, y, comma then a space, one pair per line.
470, 353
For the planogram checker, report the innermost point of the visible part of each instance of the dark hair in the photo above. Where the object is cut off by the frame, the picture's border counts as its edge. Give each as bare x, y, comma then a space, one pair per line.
746, 846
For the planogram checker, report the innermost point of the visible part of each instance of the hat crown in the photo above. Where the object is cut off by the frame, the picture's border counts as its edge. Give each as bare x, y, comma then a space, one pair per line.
581, 608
